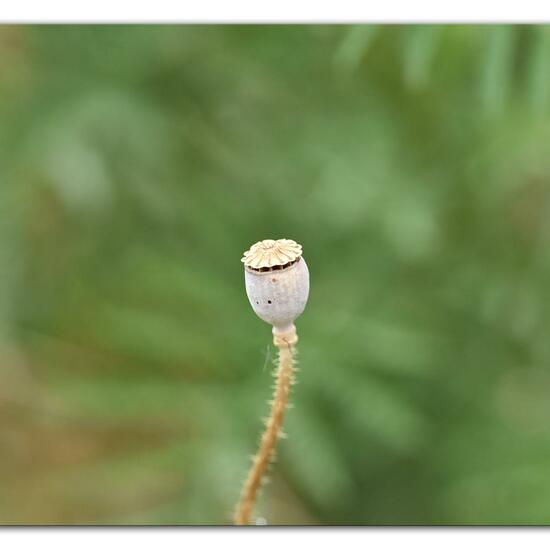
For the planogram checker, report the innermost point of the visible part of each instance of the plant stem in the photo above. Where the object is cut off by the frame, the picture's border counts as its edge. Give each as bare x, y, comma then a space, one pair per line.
273, 430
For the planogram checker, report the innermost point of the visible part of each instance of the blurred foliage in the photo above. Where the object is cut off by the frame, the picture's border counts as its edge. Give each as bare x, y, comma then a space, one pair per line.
138, 162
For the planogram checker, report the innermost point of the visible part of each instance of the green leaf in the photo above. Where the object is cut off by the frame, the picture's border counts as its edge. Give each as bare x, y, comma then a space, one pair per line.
354, 47
420, 46
497, 68
538, 70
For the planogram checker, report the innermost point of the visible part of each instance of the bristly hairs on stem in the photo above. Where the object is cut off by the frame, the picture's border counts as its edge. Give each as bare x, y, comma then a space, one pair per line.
273, 432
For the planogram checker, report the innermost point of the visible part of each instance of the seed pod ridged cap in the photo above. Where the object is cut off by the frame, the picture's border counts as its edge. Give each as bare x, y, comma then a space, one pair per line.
270, 253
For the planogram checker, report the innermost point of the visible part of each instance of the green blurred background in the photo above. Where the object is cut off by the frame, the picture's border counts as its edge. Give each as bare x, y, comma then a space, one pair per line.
137, 163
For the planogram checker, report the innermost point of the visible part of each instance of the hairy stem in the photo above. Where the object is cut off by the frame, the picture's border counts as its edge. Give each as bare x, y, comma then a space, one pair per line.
273, 430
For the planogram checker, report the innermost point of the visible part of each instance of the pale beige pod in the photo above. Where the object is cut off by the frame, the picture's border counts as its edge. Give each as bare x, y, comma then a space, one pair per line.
277, 282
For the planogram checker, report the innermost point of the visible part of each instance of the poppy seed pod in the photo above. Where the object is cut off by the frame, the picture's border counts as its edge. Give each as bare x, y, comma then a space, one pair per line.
277, 282
277, 285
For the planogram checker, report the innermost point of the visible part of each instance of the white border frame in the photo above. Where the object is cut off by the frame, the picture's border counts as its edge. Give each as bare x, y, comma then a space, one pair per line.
280, 11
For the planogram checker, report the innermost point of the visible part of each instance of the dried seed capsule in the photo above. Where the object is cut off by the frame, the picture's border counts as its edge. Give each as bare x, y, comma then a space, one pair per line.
277, 282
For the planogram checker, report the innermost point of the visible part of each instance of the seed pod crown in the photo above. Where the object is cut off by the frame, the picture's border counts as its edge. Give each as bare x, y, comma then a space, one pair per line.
272, 255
